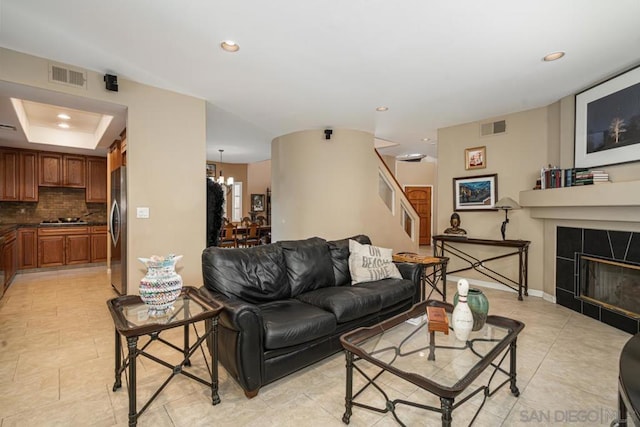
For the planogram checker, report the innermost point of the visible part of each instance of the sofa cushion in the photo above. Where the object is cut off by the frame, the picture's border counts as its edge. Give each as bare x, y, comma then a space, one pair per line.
339, 250
346, 303
291, 322
308, 264
368, 263
257, 274
391, 291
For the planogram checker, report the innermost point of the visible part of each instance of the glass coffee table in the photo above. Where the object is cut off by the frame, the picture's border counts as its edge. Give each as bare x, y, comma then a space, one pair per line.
132, 321
435, 362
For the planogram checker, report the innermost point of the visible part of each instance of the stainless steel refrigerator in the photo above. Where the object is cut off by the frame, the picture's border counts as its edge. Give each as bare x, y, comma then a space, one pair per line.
118, 230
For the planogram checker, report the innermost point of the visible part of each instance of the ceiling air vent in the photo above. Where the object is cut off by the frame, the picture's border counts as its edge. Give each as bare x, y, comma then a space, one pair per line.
67, 76
493, 128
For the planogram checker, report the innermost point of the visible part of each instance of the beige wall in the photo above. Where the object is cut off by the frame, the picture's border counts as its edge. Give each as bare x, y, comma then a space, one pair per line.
259, 179
166, 156
330, 189
516, 157
534, 139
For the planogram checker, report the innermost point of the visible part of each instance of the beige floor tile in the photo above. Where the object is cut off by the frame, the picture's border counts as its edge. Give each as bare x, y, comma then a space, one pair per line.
57, 368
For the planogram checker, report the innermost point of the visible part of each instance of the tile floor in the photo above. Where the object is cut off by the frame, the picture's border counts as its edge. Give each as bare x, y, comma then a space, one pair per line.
56, 369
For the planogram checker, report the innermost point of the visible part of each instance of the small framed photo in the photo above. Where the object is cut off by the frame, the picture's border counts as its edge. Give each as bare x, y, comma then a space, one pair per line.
475, 158
608, 122
211, 170
475, 193
257, 202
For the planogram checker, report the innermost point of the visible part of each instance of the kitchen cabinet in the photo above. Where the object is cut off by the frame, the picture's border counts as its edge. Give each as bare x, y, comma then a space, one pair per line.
62, 170
9, 257
63, 246
28, 182
99, 243
78, 249
96, 180
19, 173
27, 248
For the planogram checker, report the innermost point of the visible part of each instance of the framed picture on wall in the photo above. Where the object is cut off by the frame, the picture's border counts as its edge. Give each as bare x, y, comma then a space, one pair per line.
608, 122
211, 170
475, 158
475, 193
257, 202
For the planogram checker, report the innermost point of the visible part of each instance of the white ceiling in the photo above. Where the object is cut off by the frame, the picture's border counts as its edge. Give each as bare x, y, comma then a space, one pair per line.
330, 63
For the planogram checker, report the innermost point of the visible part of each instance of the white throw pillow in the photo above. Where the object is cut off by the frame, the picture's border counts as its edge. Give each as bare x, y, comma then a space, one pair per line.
368, 263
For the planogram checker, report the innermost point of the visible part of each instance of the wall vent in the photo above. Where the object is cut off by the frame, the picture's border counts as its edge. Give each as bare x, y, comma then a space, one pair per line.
493, 128
67, 76
4, 126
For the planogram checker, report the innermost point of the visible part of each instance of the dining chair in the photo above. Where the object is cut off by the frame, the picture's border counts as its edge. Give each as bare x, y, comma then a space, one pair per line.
229, 238
251, 237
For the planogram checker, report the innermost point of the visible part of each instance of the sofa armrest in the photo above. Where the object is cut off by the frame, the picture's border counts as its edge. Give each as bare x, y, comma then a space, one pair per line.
240, 339
412, 271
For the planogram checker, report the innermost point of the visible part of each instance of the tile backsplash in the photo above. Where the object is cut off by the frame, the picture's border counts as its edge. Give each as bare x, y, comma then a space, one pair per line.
53, 203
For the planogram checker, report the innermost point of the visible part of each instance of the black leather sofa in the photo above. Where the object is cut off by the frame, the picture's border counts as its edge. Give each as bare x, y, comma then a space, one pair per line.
286, 304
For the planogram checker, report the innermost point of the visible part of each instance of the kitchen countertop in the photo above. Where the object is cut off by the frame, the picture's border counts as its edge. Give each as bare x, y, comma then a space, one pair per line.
4, 228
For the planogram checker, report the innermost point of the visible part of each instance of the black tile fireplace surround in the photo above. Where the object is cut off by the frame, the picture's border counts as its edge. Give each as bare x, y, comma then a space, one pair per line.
621, 246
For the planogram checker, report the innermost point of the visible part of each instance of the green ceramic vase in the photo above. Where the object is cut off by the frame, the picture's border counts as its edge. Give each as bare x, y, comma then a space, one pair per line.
479, 305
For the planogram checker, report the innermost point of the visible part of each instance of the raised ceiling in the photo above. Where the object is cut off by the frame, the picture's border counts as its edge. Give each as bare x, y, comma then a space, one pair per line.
329, 64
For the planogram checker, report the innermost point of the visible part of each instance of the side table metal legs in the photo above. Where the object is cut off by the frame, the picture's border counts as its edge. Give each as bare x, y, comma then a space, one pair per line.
215, 397
132, 343
120, 366
349, 394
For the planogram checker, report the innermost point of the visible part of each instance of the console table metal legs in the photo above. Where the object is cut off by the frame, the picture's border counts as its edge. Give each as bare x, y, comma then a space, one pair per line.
443, 244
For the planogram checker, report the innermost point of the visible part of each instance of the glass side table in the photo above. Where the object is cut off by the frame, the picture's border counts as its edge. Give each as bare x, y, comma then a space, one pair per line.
132, 321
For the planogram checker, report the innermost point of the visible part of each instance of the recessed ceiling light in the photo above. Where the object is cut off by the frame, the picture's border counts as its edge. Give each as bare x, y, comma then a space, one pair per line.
426, 139
63, 116
230, 46
553, 56
63, 125
382, 108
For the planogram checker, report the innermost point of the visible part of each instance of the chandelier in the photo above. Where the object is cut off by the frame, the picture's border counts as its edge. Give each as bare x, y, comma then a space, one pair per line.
221, 179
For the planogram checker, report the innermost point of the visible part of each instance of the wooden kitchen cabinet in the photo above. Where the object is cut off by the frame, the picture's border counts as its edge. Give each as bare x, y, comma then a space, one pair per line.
96, 180
9, 257
28, 176
63, 246
19, 174
50, 251
62, 170
77, 250
27, 248
99, 243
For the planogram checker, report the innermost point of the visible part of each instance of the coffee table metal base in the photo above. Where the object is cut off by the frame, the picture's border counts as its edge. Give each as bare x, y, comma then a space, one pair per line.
447, 404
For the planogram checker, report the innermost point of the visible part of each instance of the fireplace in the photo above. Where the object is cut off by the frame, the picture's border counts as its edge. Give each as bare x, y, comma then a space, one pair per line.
598, 275
609, 283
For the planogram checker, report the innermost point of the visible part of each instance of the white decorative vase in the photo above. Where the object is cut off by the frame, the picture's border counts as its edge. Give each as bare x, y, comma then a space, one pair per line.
462, 317
161, 286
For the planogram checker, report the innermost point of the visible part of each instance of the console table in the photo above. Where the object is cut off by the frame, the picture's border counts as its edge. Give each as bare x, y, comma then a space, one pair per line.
446, 243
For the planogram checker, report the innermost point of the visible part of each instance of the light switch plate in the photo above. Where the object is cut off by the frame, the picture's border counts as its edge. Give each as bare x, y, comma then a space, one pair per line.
142, 212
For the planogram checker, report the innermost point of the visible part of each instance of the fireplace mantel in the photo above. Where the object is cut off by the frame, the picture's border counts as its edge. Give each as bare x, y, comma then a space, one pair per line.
614, 201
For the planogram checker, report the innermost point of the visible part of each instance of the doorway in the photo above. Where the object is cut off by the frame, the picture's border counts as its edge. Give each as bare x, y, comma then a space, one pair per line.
420, 199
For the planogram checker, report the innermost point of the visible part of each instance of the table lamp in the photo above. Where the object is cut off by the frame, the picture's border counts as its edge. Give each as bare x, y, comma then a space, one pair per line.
506, 204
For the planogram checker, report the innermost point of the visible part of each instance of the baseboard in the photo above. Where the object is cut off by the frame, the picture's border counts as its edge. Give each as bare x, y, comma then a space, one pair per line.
499, 287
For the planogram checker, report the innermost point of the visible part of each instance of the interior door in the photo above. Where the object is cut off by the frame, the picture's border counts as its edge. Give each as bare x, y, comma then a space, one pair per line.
420, 199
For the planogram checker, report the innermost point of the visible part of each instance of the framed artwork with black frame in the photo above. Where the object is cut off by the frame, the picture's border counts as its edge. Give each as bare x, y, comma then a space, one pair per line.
607, 128
257, 202
475, 193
